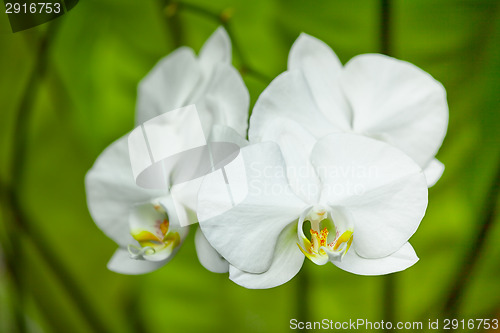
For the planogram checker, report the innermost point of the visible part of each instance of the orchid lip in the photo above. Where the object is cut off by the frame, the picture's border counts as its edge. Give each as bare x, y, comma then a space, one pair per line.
331, 234
150, 227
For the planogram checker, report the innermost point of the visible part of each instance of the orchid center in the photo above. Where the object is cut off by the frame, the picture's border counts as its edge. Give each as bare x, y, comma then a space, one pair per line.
150, 227
329, 235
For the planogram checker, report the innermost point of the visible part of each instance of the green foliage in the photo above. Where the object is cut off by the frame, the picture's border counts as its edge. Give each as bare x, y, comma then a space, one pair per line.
86, 99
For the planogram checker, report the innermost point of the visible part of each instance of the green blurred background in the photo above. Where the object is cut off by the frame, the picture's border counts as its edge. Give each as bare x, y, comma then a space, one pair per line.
68, 89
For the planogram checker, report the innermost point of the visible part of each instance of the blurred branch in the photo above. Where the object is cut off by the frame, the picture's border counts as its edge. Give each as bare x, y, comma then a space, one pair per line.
223, 18
473, 254
26, 106
66, 280
21, 229
389, 301
133, 310
174, 24
389, 281
13, 270
15, 252
303, 292
385, 27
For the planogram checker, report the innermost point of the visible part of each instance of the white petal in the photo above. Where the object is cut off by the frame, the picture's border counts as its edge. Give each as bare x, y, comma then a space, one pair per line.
288, 97
185, 197
121, 263
384, 189
433, 171
169, 85
112, 192
264, 205
225, 101
321, 68
398, 261
397, 102
210, 82
286, 264
208, 256
307, 46
296, 145
186, 194
216, 49
221, 133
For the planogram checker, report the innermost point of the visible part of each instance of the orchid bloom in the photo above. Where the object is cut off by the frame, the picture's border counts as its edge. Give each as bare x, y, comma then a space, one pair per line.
372, 95
141, 221
345, 199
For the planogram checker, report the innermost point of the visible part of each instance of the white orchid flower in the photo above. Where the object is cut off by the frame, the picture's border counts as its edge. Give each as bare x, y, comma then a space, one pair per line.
141, 221
208, 81
346, 199
372, 95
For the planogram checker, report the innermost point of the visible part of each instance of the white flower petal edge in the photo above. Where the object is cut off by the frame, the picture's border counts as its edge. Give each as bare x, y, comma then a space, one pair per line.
209, 258
118, 206
249, 231
398, 102
130, 215
383, 189
179, 76
216, 49
288, 97
112, 192
207, 255
321, 69
286, 263
433, 172
114, 201
225, 101
400, 260
209, 81
168, 85
306, 48
245, 231
387, 99
121, 263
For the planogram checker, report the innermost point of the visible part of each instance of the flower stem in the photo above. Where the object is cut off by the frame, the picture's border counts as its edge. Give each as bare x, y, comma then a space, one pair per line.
224, 19
385, 25
19, 227
389, 281
170, 9
66, 280
473, 254
389, 287
15, 252
11, 255
302, 296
